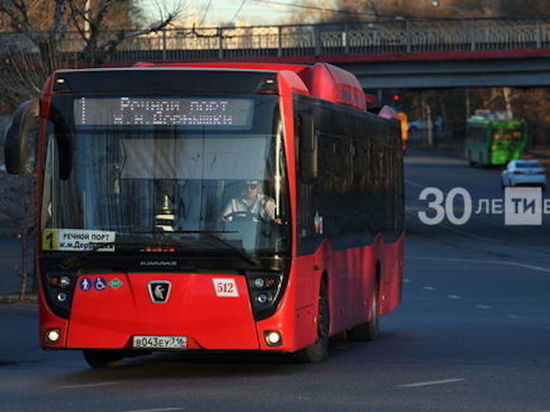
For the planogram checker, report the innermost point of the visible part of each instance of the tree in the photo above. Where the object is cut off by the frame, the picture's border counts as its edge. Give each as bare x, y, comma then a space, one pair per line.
38, 38
523, 8
47, 35
349, 11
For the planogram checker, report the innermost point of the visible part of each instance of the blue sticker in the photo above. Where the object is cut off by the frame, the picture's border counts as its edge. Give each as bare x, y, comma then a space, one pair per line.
85, 284
100, 284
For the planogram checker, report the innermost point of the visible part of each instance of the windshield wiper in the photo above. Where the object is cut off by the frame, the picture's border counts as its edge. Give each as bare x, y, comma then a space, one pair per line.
69, 262
211, 235
240, 252
169, 232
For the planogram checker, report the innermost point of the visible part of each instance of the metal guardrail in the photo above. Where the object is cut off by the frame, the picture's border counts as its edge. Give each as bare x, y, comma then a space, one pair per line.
406, 36
377, 37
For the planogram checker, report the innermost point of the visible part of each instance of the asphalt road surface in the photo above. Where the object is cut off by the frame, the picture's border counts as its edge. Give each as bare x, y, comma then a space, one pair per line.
472, 334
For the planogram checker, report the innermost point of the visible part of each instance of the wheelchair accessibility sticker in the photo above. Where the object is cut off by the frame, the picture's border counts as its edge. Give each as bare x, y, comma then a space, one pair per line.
100, 284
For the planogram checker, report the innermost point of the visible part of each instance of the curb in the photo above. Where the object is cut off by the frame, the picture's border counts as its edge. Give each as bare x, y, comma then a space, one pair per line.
29, 300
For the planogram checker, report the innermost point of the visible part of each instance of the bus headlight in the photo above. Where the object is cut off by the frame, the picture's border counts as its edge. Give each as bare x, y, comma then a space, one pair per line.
262, 298
265, 291
62, 297
259, 282
64, 281
59, 291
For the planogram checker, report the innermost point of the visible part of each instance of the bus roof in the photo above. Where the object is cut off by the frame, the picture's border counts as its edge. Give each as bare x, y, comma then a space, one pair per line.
322, 80
485, 122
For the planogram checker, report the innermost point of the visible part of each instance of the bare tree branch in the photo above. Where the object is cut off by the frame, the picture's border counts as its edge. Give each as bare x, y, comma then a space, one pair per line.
111, 45
155, 27
62, 18
41, 41
18, 18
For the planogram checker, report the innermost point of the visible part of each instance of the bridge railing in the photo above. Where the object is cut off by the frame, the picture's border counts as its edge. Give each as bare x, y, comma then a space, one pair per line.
376, 37
405, 36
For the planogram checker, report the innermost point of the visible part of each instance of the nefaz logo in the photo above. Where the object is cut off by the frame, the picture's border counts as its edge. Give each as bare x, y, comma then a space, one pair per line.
159, 290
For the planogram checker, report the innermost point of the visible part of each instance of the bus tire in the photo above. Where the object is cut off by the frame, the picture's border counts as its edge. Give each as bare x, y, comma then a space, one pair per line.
103, 358
370, 330
318, 351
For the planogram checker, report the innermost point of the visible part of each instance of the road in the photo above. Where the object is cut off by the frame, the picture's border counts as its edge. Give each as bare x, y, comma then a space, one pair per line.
11, 264
472, 334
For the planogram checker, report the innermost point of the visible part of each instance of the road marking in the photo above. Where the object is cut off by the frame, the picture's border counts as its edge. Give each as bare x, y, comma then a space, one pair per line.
481, 261
428, 288
89, 385
407, 280
155, 410
430, 383
410, 182
480, 238
513, 317
455, 297
483, 307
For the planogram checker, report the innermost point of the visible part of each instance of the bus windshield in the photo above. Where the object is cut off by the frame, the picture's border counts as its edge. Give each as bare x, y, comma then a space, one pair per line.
507, 134
171, 167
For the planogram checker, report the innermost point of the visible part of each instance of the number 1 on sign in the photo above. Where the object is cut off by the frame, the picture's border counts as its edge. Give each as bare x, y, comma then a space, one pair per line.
50, 240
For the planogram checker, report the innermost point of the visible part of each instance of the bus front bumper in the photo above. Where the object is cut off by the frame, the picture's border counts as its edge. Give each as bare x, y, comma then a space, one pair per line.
109, 310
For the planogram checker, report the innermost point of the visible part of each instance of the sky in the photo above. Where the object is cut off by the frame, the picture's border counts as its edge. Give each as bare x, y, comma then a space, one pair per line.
216, 12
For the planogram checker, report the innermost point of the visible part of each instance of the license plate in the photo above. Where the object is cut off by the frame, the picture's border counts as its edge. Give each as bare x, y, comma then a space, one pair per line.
159, 342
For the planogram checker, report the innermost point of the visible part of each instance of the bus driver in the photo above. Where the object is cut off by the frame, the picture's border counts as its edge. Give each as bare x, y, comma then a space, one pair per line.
252, 201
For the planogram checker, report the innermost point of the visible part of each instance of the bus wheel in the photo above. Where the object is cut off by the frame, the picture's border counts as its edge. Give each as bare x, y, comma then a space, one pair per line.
470, 160
319, 350
368, 331
103, 358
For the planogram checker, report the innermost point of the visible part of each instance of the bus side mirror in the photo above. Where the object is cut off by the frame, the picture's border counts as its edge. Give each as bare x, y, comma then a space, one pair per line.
18, 135
308, 151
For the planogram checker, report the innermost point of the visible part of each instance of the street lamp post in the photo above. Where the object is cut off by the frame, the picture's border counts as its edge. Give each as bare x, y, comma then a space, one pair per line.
87, 19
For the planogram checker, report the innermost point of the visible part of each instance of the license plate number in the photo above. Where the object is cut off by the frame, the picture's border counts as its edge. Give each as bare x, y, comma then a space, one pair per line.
159, 342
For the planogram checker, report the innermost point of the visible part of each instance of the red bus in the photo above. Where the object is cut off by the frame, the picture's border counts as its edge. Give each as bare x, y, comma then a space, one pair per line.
139, 249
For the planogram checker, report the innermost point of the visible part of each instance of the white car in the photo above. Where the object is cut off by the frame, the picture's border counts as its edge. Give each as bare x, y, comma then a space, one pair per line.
524, 172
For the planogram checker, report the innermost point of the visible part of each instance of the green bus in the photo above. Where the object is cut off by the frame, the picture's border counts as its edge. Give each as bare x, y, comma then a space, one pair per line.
495, 142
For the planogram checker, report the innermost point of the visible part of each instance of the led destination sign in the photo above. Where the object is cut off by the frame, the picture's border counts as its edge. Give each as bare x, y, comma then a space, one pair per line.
152, 111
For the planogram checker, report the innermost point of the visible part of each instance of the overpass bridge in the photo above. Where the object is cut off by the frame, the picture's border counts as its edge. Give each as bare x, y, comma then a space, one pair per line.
389, 54
392, 54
